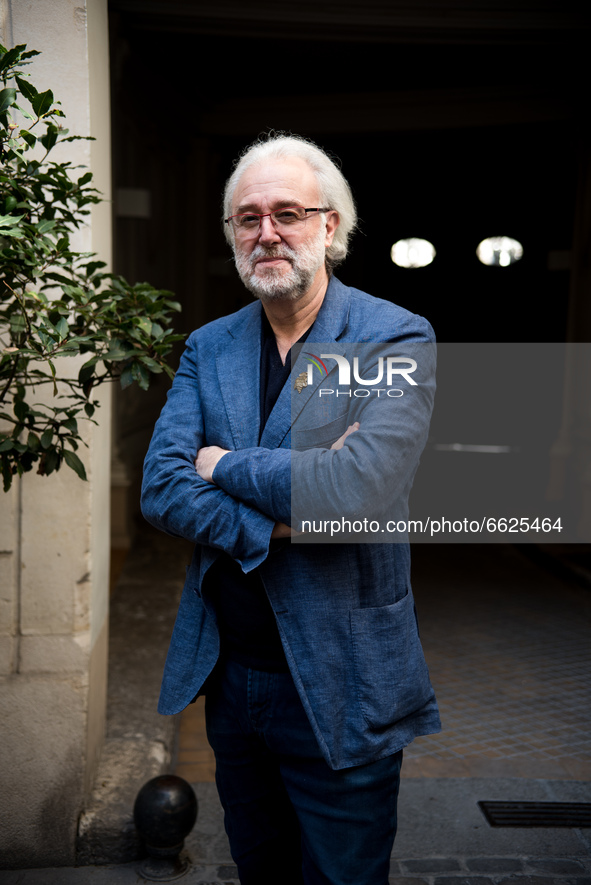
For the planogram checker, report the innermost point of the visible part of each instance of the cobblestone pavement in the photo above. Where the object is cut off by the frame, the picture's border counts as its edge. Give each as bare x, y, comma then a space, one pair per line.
507, 644
428, 871
508, 648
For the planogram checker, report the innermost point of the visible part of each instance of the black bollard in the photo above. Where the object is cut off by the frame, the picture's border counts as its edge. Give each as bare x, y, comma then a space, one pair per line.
165, 812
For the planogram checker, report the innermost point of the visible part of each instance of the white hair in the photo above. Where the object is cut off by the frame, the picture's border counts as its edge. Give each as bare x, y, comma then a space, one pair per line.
335, 192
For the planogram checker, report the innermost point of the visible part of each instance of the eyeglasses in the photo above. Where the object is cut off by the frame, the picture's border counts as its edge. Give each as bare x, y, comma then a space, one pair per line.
247, 224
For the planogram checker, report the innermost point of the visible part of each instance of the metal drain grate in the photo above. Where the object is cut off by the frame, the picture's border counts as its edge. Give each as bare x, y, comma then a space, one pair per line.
537, 814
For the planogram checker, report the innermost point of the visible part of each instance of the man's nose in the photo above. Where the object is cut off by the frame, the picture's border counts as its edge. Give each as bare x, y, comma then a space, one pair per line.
268, 232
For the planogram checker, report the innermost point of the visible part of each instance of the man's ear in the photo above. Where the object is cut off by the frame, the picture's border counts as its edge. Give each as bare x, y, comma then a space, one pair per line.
332, 222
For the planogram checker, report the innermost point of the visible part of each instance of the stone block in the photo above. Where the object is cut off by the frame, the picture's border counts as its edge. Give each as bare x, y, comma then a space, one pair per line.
7, 591
54, 654
494, 864
55, 579
432, 865
41, 770
7, 655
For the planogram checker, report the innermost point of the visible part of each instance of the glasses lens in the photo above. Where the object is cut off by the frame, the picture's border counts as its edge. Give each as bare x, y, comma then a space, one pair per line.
289, 217
246, 222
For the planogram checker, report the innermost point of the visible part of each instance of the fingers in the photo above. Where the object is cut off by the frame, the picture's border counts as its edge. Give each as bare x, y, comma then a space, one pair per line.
207, 459
280, 530
350, 429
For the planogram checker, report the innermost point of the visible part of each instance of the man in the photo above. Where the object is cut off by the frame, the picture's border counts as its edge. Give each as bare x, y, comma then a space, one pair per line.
308, 653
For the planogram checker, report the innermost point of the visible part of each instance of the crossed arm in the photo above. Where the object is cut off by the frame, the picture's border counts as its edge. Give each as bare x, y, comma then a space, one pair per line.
370, 476
237, 500
175, 499
209, 456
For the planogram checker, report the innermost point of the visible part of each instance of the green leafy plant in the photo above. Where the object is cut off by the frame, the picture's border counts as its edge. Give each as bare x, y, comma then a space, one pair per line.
55, 302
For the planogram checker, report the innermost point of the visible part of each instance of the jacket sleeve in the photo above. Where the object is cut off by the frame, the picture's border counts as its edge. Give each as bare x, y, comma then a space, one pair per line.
370, 475
176, 500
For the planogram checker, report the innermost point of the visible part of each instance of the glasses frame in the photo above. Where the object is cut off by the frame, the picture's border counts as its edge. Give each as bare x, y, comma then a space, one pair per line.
254, 231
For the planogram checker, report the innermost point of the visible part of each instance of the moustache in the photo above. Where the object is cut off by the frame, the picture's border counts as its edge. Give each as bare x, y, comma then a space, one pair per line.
272, 252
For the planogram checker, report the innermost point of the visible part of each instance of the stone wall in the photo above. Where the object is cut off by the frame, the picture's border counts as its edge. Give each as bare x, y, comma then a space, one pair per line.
54, 542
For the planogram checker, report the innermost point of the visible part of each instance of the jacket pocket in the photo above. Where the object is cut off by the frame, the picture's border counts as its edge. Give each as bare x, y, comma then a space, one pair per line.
321, 436
390, 670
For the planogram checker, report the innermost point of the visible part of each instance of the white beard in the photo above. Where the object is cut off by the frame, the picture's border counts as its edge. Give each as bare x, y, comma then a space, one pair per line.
279, 283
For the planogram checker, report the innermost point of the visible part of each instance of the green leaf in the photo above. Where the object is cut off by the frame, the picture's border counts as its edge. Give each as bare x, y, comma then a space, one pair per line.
116, 324
141, 375
21, 409
73, 461
11, 56
23, 111
33, 442
46, 225
52, 461
52, 367
42, 102
27, 89
118, 351
8, 220
44, 337
92, 266
17, 153
58, 277
62, 328
145, 325
27, 136
6, 474
87, 371
77, 137
50, 138
16, 232
126, 377
17, 324
151, 364
7, 98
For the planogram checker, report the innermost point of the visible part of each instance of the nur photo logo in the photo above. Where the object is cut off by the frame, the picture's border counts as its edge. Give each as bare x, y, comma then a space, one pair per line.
389, 369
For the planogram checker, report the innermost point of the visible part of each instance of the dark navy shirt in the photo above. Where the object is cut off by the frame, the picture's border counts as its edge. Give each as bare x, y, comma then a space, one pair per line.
246, 622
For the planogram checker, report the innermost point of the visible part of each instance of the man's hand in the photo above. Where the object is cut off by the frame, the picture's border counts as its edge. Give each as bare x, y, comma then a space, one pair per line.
280, 530
206, 460
208, 457
350, 429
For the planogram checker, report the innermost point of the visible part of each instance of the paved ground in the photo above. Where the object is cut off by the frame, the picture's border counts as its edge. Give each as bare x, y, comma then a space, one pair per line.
443, 840
509, 650
508, 647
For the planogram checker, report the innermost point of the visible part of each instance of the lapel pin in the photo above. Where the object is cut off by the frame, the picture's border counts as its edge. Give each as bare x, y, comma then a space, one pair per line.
301, 382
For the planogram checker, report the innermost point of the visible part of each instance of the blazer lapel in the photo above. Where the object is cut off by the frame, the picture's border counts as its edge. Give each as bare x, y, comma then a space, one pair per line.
330, 323
238, 366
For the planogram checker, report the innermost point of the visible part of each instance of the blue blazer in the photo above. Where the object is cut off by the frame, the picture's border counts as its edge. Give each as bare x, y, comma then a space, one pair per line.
345, 611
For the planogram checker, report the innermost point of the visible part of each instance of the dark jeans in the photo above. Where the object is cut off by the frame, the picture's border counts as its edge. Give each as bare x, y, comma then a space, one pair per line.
290, 818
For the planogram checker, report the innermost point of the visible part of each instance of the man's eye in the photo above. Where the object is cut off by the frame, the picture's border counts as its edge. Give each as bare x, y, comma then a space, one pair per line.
248, 220
287, 216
